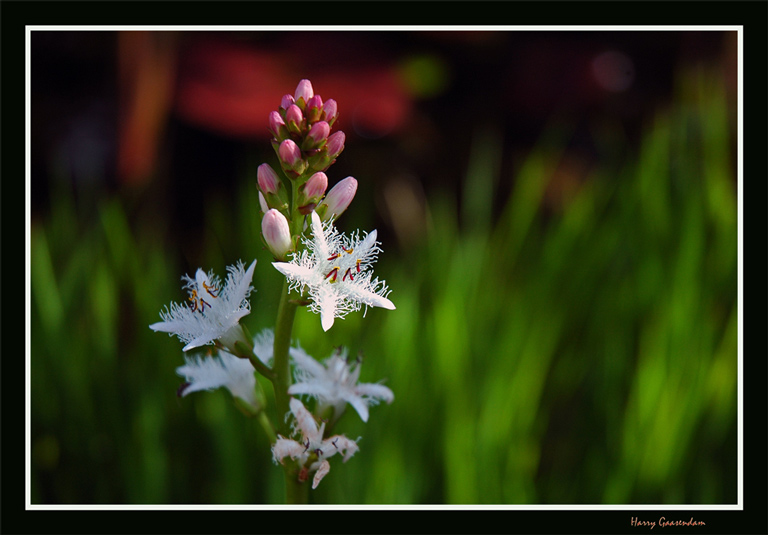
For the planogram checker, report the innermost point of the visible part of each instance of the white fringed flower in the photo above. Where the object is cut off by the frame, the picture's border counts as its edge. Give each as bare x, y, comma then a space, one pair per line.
226, 370
312, 443
214, 311
334, 268
334, 384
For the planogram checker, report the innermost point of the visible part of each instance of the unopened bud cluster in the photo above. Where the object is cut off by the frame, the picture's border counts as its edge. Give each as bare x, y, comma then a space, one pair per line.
306, 147
301, 130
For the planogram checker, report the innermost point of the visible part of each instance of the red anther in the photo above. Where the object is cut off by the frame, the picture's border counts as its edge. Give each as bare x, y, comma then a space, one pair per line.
202, 305
348, 272
358, 265
334, 257
334, 272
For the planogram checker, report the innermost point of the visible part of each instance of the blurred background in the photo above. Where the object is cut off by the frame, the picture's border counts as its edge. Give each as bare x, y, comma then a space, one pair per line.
559, 223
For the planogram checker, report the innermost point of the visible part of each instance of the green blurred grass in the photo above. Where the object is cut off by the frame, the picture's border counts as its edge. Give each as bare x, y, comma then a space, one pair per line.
578, 355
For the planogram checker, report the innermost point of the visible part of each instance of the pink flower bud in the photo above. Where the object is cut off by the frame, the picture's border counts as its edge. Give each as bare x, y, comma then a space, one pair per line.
340, 197
315, 102
304, 90
289, 153
330, 111
267, 178
335, 144
293, 114
314, 109
277, 234
319, 132
287, 101
316, 186
276, 125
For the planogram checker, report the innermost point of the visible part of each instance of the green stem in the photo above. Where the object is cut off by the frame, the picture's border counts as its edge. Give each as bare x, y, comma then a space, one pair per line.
281, 368
295, 491
267, 425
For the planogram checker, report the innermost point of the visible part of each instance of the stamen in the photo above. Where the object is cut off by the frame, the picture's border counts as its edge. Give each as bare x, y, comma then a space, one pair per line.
350, 250
202, 305
334, 257
334, 272
193, 298
358, 264
210, 290
348, 272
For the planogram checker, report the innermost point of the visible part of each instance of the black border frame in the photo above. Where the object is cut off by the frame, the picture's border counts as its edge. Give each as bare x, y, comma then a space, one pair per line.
751, 15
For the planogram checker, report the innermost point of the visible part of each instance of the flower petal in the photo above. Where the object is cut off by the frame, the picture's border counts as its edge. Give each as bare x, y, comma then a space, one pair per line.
375, 390
358, 293
309, 389
322, 470
360, 406
318, 235
285, 447
296, 272
305, 421
327, 313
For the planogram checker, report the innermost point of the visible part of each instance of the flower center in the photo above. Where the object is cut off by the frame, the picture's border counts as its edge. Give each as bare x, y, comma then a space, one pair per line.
198, 298
332, 275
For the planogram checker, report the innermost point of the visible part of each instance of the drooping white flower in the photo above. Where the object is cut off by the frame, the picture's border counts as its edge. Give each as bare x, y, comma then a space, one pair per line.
210, 373
214, 312
263, 345
312, 443
334, 383
335, 270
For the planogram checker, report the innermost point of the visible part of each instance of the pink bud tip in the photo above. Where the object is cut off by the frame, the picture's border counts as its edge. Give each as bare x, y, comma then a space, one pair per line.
289, 152
319, 132
267, 178
316, 102
286, 102
293, 114
330, 110
277, 234
304, 90
316, 186
276, 123
336, 144
340, 197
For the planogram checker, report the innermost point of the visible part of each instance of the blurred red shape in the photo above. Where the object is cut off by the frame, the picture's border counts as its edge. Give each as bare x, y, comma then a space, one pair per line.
231, 87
